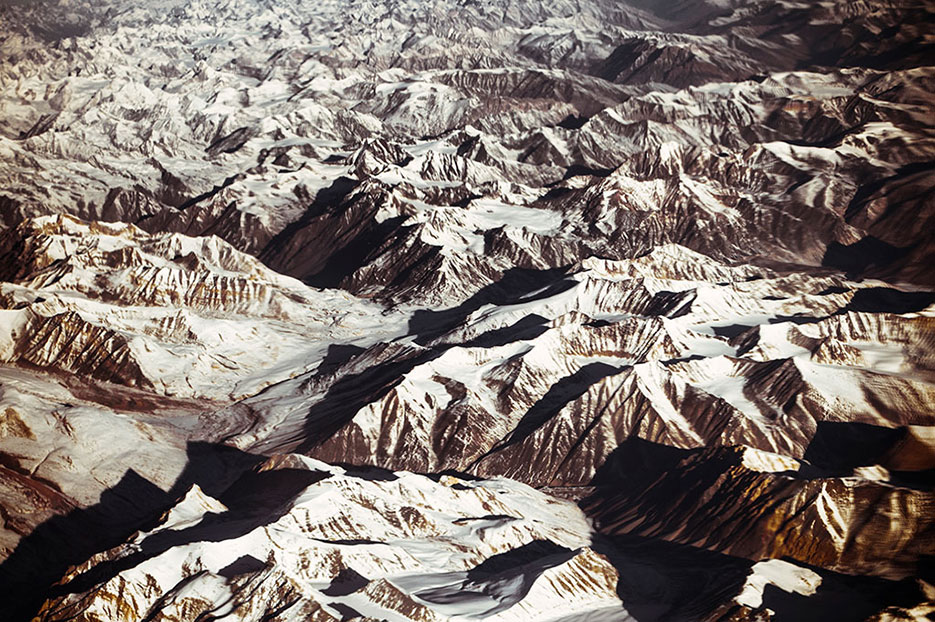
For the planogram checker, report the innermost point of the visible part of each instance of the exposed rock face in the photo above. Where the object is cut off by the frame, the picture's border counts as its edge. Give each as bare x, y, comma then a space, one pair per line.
287, 541
188, 317
608, 311
753, 504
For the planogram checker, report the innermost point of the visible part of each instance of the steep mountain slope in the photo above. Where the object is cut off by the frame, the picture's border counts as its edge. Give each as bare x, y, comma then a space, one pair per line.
668, 261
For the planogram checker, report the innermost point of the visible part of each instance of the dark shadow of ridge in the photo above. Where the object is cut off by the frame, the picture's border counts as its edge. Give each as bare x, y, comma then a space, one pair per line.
527, 328
662, 581
544, 554
515, 286
325, 198
347, 581
525, 563
559, 395
857, 258
659, 581
635, 458
840, 597
355, 391
889, 300
254, 500
839, 447
133, 504
345, 261
337, 355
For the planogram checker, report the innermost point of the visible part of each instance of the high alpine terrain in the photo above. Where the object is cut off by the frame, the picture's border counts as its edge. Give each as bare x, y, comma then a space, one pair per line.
461, 310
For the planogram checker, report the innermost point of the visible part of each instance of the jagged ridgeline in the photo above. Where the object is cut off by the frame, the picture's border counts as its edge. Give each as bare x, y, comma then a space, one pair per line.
512, 311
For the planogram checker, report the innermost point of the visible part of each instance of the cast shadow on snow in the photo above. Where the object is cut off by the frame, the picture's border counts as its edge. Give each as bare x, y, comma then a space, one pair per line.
541, 554
134, 504
662, 581
281, 255
354, 391
517, 285
502, 580
838, 447
336, 356
254, 500
559, 395
889, 300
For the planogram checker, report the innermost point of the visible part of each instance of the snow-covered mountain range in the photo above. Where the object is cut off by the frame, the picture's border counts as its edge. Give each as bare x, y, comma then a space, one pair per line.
574, 311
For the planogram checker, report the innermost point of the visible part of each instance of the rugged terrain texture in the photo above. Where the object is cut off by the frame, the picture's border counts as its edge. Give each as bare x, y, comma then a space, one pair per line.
561, 311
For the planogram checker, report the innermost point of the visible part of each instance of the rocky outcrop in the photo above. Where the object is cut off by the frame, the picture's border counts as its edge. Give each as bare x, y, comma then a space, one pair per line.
167, 313
298, 539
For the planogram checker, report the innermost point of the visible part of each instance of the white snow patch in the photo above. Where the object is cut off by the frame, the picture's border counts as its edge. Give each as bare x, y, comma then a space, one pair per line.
782, 574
